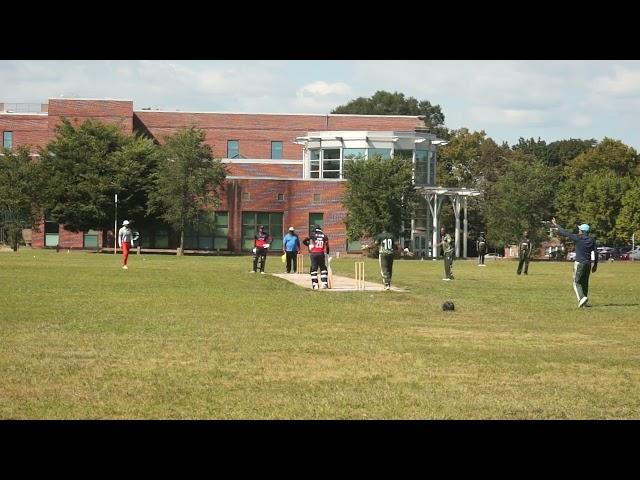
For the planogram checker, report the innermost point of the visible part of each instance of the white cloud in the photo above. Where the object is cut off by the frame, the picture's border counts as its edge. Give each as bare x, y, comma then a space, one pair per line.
623, 81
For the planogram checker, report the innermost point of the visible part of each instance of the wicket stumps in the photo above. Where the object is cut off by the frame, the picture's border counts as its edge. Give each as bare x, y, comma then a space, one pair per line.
359, 269
300, 263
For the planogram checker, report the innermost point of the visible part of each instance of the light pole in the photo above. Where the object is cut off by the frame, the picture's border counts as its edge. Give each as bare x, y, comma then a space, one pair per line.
115, 228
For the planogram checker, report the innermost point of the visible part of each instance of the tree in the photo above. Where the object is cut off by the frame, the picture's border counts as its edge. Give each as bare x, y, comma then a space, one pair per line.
596, 199
472, 160
609, 155
188, 180
86, 166
561, 152
386, 103
594, 184
20, 188
520, 201
379, 195
628, 220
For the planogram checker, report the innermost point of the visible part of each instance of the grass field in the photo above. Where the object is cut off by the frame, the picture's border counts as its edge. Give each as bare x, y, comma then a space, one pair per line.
201, 338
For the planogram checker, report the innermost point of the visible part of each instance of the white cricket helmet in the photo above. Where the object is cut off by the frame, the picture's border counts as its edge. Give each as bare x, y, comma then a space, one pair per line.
125, 223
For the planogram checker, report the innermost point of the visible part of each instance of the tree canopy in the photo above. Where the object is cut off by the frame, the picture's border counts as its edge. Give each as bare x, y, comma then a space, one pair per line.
188, 181
379, 195
386, 103
20, 193
85, 166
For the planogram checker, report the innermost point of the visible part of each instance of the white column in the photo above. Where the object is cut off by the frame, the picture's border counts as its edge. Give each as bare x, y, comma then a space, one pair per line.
465, 230
456, 210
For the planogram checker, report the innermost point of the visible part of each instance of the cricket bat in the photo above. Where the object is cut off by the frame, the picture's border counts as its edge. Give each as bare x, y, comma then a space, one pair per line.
330, 272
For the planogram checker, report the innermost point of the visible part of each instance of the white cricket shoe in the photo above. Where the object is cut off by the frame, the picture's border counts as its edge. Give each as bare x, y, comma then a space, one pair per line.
124, 267
582, 302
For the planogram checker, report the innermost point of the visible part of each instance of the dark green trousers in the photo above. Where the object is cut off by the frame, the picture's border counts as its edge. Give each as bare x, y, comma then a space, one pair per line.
386, 268
448, 264
581, 272
524, 261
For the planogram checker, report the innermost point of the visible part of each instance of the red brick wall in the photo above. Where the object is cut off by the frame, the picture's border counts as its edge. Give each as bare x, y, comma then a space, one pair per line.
255, 132
384, 123
77, 111
66, 239
266, 170
298, 203
27, 129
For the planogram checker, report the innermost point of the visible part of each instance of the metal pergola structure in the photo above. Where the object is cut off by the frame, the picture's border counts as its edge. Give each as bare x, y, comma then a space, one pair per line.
435, 197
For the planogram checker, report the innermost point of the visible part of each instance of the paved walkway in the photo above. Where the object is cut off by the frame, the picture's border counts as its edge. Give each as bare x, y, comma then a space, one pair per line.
340, 284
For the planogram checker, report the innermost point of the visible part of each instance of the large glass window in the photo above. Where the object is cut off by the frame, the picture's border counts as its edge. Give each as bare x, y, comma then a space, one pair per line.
233, 148
7, 139
353, 153
421, 171
153, 234
210, 233
91, 239
432, 168
382, 152
408, 154
51, 233
276, 150
314, 163
331, 163
272, 222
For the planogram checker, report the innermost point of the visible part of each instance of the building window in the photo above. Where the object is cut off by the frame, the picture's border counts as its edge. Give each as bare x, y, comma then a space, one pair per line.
408, 154
315, 219
331, 163
272, 222
276, 150
281, 197
233, 148
7, 140
421, 172
314, 163
246, 196
91, 240
211, 232
385, 153
51, 233
153, 234
316, 198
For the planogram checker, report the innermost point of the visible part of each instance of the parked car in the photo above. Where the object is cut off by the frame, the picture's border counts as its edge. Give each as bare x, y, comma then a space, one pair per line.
571, 256
635, 253
493, 255
606, 253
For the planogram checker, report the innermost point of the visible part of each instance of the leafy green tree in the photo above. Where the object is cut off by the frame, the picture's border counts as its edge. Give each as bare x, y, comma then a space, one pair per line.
386, 103
471, 160
20, 188
594, 185
609, 155
561, 152
379, 194
86, 166
188, 181
628, 220
520, 201
596, 199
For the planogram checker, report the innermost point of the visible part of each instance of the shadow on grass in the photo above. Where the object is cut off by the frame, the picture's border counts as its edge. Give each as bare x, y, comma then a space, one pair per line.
615, 305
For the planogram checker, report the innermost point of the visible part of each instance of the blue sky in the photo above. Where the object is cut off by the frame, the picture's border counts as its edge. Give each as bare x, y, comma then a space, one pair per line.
508, 99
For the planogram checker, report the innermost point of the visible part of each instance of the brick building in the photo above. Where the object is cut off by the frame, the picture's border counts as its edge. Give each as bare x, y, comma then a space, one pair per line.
284, 169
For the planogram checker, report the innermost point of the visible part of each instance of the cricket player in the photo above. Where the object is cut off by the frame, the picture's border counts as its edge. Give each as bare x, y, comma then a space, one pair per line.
318, 244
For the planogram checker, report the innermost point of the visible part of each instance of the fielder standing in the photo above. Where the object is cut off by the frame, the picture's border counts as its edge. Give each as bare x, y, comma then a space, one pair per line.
585, 245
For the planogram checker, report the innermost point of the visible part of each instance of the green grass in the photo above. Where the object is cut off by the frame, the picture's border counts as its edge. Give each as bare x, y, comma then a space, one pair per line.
201, 338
